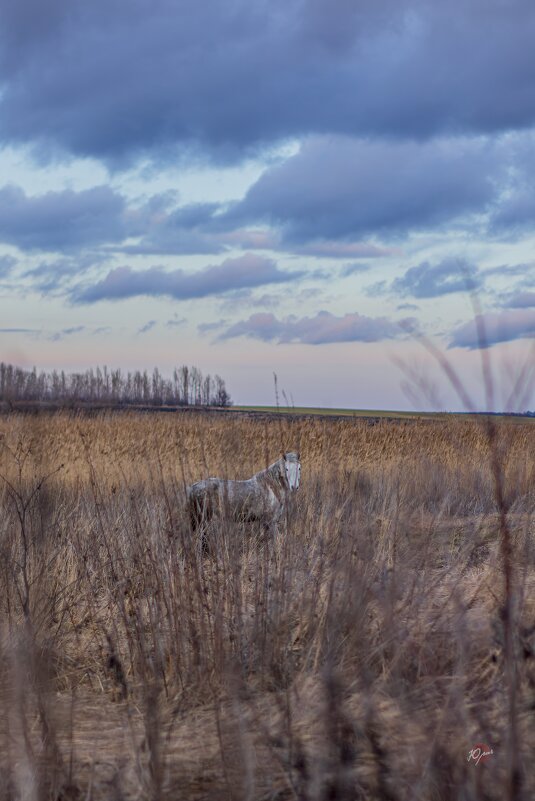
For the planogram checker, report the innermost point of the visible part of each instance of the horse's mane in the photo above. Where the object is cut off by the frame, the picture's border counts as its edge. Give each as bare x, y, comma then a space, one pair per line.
273, 472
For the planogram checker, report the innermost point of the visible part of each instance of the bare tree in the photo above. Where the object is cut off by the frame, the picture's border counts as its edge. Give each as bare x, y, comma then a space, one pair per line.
101, 385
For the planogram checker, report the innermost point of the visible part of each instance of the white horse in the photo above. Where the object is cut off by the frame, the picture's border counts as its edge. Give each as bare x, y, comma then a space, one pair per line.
262, 498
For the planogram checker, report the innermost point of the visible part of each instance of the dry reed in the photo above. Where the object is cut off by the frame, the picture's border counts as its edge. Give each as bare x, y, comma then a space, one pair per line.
361, 656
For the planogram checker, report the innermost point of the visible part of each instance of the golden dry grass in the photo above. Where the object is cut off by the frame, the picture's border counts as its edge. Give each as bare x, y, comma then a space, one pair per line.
360, 656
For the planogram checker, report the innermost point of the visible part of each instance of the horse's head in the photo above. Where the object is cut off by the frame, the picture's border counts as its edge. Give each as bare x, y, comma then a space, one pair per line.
292, 469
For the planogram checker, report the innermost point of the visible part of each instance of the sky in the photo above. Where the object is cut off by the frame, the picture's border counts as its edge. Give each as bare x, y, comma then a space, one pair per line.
340, 192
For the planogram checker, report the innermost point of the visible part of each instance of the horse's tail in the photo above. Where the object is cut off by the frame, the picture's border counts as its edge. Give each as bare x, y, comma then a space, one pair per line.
194, 508
199, 513
199, 504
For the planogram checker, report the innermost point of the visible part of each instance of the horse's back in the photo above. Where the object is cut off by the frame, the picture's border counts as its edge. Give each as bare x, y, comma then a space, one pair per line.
243, 500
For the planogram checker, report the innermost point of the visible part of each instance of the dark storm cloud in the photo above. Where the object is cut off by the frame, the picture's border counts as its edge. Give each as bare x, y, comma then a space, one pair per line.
524, 299
147, 327
337, 188
184, 230
253, 239
247, 298
57, 336
243, 272
176, 321
63, 333
93, 79
518, 294
18, 331
336, 193
340, 250
508, 270
516, 211
180, 243
322, 329
503, 326
207, 328
6, 265
427, 280
51, 276
323, 202
101, 217
61, 220
354, 269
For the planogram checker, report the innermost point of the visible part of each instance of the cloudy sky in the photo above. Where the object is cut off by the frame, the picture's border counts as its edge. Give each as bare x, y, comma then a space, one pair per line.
294, 186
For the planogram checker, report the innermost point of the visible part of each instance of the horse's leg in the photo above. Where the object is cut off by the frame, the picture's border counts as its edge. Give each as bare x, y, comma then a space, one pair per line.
200, 516
273, 531
279, 521
271, 527
194, 517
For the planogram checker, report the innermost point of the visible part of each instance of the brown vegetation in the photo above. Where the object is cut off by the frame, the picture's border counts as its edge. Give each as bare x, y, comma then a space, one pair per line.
361, 656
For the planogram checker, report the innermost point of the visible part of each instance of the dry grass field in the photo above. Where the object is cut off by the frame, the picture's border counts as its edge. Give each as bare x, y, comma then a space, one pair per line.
388, 631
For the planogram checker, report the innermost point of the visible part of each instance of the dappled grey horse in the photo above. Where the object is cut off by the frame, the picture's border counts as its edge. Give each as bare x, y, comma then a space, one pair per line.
260, 499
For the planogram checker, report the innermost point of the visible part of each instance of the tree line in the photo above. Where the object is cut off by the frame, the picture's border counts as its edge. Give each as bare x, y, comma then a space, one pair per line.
186, 387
